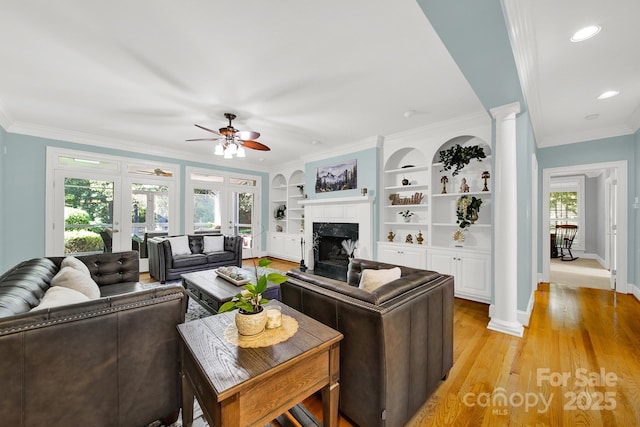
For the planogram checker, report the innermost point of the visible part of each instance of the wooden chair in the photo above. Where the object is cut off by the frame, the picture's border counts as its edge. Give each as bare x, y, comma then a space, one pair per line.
565, 233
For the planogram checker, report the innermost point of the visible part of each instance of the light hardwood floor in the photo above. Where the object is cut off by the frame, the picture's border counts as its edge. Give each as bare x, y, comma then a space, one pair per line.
578, 364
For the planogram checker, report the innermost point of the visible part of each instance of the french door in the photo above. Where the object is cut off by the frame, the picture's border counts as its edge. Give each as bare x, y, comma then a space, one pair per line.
98, 203
218, 201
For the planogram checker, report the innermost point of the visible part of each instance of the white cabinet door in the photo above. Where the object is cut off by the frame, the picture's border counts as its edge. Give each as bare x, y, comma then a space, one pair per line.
276, 244
443, 262
471, 272
402, 255
292, 247
474, 276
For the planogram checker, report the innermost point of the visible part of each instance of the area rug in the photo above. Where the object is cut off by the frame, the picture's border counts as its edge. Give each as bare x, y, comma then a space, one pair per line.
582, 272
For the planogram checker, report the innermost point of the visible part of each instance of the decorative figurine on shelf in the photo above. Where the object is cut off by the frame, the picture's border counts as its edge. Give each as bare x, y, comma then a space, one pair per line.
364, 191
391, 236
303, 267
444, 181
464, 188
419, 237
458, 236
405, 181
485, 176
408, 239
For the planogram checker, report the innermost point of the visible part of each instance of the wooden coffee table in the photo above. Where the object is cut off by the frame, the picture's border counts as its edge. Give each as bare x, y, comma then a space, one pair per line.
238, 386
211, 291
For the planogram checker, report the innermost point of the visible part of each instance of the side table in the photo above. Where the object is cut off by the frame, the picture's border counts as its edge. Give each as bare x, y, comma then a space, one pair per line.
238, 386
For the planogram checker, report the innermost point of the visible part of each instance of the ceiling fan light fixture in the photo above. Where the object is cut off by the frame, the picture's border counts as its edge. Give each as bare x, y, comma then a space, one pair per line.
232, 148
585, 33
241, 152
219, 150
227, 154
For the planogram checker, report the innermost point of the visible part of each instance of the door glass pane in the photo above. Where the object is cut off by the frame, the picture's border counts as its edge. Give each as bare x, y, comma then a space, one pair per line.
88, 215
149, 214
244, 218
206, 210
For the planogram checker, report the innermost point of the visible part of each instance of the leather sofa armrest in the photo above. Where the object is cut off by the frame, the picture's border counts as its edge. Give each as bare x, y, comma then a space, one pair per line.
234, 244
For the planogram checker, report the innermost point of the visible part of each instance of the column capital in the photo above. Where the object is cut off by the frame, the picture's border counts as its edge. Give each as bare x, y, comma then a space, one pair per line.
504, 110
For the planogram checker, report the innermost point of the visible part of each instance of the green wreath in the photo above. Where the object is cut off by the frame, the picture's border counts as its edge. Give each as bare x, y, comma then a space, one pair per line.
467, 210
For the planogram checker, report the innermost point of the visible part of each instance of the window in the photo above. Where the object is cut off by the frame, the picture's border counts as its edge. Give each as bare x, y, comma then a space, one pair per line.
566, 206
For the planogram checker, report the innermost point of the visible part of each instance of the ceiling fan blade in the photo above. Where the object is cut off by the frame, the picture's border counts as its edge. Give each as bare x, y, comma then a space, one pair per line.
247, 135
255, 145
208, 130
202, 139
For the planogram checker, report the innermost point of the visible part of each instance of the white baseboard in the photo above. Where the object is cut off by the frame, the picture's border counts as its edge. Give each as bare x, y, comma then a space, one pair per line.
635, 290
523, 316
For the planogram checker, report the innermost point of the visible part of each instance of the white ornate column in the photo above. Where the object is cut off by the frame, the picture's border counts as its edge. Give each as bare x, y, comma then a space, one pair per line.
505, 262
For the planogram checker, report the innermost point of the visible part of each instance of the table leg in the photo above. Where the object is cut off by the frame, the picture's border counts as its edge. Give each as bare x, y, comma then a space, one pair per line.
331, 392
187, 402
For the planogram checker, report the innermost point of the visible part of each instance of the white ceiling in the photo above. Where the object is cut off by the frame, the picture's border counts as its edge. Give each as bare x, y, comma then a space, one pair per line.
137, 75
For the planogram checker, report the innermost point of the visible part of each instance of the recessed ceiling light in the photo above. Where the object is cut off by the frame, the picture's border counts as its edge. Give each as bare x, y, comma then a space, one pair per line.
409, 113
585, 33
315, 142
592, 116
608, 94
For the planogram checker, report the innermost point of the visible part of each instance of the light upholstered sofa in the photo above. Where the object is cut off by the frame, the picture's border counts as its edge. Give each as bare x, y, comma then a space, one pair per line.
108, 361
167, 262
398, 338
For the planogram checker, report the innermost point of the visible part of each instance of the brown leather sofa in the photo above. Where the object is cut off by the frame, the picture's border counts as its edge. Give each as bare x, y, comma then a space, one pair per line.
398, 339
111, 361
164, 266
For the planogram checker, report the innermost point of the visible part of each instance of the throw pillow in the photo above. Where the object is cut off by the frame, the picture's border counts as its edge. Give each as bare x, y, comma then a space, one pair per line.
57, 296
69, 277
179, 245
71, 261
373, 279
213, 244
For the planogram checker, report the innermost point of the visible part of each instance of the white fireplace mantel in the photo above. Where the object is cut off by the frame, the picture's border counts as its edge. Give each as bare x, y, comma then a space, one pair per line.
357, 210
338, 200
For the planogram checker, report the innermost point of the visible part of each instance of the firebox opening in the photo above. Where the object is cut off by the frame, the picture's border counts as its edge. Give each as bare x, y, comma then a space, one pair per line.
330, 256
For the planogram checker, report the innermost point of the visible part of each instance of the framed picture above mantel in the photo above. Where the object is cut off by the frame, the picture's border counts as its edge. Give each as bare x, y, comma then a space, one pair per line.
337, 177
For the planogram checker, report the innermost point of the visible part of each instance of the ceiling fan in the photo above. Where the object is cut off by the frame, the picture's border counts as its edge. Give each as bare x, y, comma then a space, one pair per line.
233, 141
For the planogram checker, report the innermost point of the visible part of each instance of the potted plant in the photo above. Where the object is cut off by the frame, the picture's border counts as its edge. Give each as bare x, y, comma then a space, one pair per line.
467, 210
251, 317
406, 214
457, 157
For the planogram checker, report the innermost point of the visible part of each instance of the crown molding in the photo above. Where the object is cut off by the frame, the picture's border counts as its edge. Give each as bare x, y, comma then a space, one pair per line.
128, 145
522, 35
634, 120
5, 119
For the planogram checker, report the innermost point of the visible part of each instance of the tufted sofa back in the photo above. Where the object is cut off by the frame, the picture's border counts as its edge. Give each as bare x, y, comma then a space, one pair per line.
110, 268
22, 287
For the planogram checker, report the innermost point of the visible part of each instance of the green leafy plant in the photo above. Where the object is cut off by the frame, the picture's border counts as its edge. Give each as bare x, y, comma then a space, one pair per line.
406, 214
457, 157
250, 299
467, 210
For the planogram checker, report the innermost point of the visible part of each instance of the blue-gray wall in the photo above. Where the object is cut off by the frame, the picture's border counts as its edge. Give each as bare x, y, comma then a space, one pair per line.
368, 177
22, 193
621, 148
526, 147
475, 34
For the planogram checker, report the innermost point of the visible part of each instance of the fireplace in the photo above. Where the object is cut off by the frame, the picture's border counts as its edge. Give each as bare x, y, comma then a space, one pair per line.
330, 256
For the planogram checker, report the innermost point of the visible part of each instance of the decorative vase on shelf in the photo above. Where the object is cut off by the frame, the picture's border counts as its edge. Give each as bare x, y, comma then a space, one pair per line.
250, 324
407, 219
